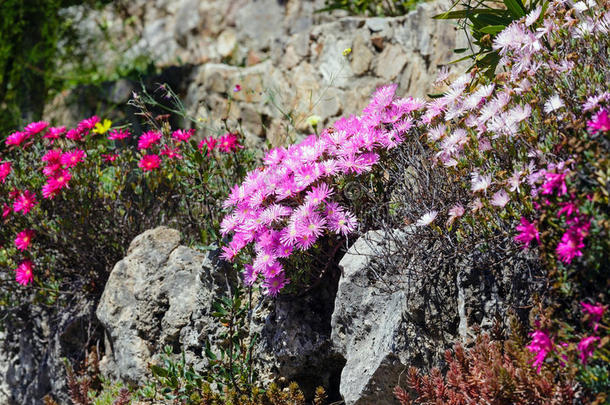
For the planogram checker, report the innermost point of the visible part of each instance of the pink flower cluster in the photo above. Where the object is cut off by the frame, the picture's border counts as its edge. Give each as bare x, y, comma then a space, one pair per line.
227, 143
288, 205
542, 344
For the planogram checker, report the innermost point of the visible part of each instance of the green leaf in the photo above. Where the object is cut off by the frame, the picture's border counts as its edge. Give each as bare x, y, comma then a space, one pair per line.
493, 29
158, 371
467, 13
515, 7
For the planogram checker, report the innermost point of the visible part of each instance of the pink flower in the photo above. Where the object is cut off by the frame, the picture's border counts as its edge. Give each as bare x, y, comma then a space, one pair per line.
541, 346
318, 194
148, 139
111, 157
554, 181
24, 202
36, 127
171, 153
272, 286
528, 232
23, 239
500, 198
586, 347
75, 134
568, 208
595, 312
182, 135
149, 162
6, 210
88, 124
237, 88
5, 170
54, 184
71, 159
118, 134
24, 273
343, 223
54, 133
600, 122
209, 143
53, 156
228, 143
479, 183
572, 243
16, 138
455, 212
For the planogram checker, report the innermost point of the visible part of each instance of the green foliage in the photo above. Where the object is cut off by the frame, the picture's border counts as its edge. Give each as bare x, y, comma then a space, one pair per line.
385, 8
483, 20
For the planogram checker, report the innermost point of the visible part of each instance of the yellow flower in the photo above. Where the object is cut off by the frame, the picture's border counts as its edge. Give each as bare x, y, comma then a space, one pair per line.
347, 51
102, 128
314, 120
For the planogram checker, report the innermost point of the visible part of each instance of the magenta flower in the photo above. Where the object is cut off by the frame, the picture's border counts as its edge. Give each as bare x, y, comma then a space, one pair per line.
600, 122
541, 346
54, 133
149, 162
88, 124
23, 239
237, 88
6, 210
554, 182
228, 143
171, 153
181, 135
119, 134
528, 232
275, 284
595, 312
209, 143
148, 139
24, 202
568, 208
572, 243
5, 170
586, 347
24, 274
36, 127
111, 157
16, 138
71, 159
75, 134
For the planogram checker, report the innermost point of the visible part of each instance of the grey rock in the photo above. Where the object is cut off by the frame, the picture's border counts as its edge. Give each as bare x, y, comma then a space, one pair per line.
226, 42
391, 62
377, 24
160, 294
361, 55
393, 311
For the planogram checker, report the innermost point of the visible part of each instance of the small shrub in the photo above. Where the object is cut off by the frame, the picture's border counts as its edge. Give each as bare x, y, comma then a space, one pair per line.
386, 8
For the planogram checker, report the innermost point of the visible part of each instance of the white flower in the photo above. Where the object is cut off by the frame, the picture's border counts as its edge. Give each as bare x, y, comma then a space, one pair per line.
479, 183
533, 16
553, 103
427, 218
455, 212
500, 198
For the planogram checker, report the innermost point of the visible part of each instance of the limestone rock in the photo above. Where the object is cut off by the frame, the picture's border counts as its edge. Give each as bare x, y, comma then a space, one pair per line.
160, 294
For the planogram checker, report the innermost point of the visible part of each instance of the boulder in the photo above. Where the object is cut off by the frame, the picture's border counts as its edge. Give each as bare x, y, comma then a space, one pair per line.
393, 311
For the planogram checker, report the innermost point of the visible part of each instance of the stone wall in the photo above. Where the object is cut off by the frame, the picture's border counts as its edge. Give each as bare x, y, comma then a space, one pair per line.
287, 59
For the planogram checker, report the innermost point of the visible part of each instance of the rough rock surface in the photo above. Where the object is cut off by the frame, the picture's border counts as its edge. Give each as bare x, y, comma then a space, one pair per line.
385, 322
288, 60
161, 294
32, 365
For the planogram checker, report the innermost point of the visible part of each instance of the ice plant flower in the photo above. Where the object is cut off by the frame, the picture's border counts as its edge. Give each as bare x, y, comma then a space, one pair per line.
228, 143
149, 162
181, 135
427, 218
455, 212
23, 239
71, 159
5, 170
24, 274
500, 198
88, 124
237, 88
600, 122
595, 313
24, 202
586, 347
148, 139
102, 127
527, 232
572, 243
35, 127
54, 133
208, 143
541, 346
171, 153
16, 138
110, 157
118, 134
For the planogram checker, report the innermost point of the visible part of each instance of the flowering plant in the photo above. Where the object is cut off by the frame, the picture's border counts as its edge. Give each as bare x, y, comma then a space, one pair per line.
72, 199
